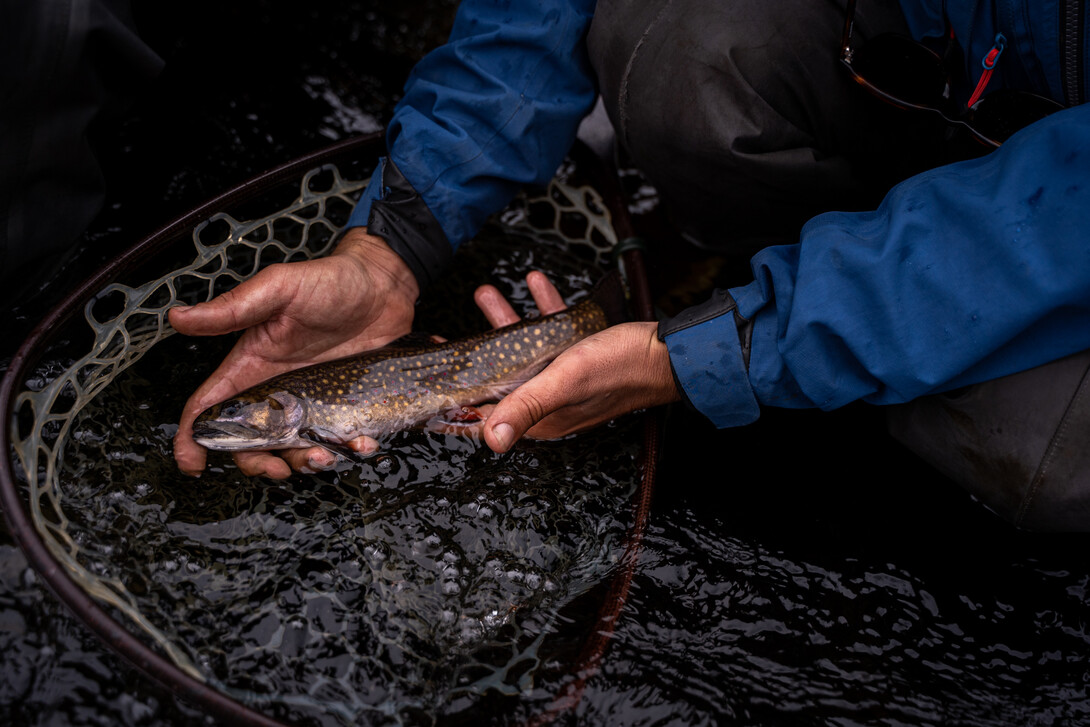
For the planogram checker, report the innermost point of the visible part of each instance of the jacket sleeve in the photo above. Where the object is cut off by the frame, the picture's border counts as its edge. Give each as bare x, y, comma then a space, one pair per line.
965, 273
493, 109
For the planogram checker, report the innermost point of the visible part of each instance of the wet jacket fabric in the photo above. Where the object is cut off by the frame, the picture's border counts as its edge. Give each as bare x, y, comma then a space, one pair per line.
964, 273
492, 110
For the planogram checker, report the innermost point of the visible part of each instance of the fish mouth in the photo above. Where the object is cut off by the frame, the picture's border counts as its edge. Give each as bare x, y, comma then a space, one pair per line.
230, 436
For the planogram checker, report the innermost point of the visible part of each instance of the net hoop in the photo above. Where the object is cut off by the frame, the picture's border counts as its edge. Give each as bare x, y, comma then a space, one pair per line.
188, 684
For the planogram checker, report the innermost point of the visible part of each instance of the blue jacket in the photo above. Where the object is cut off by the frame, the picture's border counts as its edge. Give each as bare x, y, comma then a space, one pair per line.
965, 273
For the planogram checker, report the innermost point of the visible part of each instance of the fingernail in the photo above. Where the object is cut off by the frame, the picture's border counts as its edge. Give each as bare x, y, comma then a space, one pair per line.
181, 308
321, 462
504, 435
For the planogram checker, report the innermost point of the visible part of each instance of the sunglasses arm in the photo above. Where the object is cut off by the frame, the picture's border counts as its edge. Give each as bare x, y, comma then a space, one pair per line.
846, 38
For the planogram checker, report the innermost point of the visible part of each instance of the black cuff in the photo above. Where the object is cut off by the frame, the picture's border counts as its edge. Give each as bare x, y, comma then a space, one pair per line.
721, 303
401, 218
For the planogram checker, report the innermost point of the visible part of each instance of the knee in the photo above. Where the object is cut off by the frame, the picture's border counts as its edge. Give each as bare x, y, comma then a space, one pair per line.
691, 68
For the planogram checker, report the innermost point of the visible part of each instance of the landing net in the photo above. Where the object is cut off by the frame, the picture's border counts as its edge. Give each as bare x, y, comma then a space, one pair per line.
385, 592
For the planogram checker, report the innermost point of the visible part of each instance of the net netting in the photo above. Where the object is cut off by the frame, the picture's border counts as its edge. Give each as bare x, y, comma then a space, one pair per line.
398, 589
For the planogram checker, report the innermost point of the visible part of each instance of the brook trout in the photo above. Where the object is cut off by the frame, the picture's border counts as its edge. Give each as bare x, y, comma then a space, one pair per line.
396, 387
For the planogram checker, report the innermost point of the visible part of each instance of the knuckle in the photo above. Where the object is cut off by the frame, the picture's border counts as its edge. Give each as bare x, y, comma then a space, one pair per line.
297, 459
534, 407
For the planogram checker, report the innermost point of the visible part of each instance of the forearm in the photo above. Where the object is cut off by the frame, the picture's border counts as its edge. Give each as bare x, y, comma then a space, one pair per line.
493, 109
965, 273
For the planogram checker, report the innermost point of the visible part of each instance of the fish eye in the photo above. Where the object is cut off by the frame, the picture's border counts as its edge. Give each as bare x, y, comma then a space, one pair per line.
274, 404
231, 408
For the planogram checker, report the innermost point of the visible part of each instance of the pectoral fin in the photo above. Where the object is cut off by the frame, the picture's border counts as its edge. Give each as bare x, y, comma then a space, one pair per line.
463, 420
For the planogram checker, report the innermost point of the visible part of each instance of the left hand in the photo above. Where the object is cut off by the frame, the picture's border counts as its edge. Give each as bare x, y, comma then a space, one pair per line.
616, 371
295, 314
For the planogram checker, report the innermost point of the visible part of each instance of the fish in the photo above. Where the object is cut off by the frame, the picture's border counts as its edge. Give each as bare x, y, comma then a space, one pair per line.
400, 386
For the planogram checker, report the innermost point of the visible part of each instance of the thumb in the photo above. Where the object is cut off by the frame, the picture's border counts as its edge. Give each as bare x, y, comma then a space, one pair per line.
253, 301
515, 414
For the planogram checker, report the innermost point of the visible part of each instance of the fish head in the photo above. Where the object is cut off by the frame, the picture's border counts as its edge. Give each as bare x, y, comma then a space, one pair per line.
251, 420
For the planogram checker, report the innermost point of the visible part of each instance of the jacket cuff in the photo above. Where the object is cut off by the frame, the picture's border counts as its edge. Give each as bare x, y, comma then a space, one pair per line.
709, 354
392, 209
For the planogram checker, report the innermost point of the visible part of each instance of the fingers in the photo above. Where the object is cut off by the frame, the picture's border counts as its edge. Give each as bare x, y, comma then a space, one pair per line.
251, 302
279, 465
546, 296
267, 464
520, 410
266, 295
500, 313
534, 400
364, 445
494, 306
611, 373
189, 455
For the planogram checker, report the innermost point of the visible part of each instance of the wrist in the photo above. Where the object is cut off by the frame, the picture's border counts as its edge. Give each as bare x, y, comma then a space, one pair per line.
664, 383
389, 273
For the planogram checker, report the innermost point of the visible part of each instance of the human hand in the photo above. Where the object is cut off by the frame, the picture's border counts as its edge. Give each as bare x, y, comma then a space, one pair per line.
616, 371
295, 314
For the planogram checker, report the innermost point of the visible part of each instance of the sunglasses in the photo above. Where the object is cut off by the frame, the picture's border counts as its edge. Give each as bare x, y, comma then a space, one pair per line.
909, 75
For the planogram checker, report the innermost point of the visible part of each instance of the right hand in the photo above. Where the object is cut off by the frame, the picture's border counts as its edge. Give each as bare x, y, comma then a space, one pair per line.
360, 297
610, 373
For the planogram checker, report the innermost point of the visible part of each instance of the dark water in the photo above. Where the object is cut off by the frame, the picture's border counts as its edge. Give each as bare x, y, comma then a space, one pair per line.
802, 571
382, 593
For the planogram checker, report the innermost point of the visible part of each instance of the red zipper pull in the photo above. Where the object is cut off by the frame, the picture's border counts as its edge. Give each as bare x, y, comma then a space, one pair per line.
988, 62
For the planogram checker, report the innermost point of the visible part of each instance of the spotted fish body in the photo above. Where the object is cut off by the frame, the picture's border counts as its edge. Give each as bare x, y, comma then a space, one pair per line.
392, 388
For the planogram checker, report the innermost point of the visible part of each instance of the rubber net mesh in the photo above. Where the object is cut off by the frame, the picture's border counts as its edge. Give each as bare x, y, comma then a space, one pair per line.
393, 590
